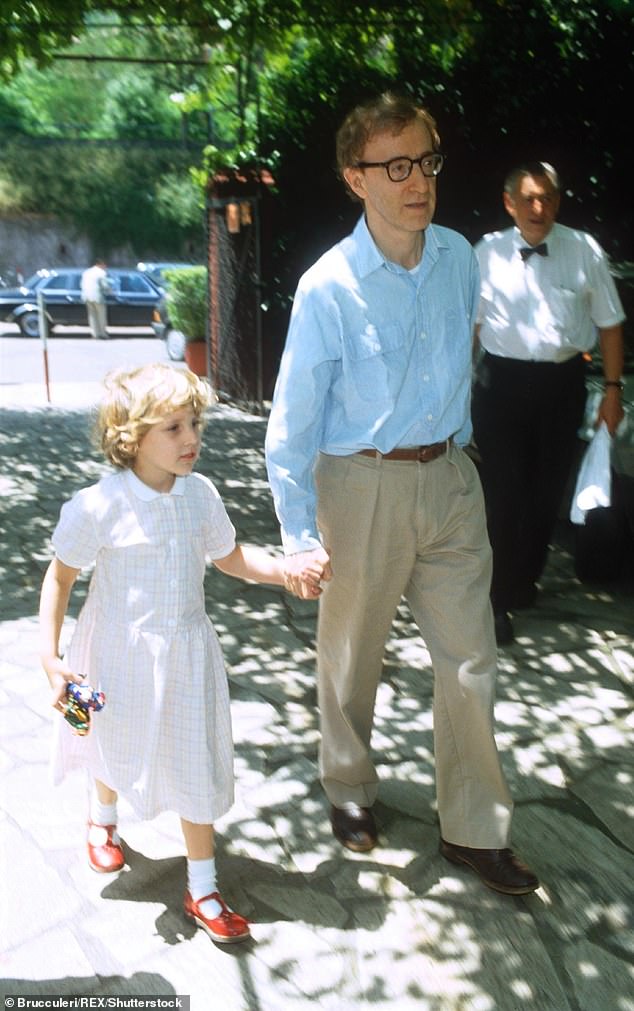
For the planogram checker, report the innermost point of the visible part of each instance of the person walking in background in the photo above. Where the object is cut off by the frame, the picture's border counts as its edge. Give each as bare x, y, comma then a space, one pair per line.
546, 291
370, 482
163, 739
94, 289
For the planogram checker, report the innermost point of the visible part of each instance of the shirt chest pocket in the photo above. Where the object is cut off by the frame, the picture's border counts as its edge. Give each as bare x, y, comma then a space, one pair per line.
567, 306
373, 340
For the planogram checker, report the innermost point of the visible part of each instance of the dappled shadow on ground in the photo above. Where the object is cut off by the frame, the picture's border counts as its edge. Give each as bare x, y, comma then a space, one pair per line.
45, 457
398, 926
412, 926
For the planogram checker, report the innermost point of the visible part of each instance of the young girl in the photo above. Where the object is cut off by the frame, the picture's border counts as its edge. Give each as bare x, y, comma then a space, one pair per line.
163, 739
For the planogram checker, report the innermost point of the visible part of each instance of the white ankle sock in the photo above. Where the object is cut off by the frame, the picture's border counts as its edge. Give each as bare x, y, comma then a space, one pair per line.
103, 814
201, 881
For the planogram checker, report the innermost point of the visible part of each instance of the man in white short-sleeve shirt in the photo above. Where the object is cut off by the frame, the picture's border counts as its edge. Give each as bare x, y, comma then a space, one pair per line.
546, 293
94, 288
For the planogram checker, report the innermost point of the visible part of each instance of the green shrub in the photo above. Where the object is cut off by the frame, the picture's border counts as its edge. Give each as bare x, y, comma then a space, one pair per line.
187, 301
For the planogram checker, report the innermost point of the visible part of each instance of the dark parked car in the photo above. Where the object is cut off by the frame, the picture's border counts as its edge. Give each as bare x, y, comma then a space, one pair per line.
131, 301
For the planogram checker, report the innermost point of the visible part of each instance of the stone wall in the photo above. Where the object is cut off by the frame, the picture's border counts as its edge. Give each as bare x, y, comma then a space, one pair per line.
31, 241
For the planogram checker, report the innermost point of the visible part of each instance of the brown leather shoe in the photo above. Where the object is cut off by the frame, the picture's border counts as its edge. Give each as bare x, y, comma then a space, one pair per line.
499, 869
354, 827
504, 633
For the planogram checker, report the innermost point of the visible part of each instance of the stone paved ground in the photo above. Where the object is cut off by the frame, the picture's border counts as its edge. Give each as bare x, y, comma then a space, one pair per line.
398, 928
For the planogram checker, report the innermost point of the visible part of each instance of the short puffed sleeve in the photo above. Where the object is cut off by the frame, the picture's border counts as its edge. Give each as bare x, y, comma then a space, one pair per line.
219, 535
76, 537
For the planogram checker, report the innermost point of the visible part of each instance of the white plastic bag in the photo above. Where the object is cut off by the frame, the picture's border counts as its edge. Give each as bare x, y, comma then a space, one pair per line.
594, 480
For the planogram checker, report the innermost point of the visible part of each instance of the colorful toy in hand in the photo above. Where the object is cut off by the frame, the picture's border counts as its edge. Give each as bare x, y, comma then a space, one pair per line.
80, 700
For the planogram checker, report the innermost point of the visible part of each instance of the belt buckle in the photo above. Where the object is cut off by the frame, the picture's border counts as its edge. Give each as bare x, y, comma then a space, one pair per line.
425, 453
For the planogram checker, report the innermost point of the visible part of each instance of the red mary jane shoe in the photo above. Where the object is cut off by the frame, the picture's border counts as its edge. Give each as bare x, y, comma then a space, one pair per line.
104, 854
226, 928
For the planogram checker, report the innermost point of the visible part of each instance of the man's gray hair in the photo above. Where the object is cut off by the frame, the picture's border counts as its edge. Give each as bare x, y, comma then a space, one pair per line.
531, 168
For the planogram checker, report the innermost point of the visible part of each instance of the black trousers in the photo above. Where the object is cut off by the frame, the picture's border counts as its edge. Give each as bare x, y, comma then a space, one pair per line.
525, 419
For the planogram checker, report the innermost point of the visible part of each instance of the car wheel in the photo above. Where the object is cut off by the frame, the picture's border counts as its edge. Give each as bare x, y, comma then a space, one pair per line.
175, 344
29, 324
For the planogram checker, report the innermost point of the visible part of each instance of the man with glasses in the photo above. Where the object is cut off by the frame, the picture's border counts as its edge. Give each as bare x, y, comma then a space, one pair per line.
546, 290
375, 496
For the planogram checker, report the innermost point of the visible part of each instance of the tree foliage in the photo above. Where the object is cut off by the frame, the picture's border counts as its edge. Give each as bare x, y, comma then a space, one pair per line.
506, 81
550, 81
120, 196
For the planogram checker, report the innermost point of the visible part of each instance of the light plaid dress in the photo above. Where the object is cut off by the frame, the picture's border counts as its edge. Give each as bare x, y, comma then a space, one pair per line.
164, 738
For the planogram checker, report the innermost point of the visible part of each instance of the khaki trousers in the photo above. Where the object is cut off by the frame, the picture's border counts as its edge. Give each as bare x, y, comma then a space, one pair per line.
97, 318
415, 530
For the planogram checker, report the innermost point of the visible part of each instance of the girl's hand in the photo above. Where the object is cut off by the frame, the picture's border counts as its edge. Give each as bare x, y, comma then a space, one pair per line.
59, 675
56, 587
305, 571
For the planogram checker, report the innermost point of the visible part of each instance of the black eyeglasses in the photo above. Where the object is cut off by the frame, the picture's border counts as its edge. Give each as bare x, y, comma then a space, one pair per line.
400, 169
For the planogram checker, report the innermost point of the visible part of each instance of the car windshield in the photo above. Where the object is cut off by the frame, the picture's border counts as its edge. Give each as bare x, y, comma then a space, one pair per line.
34, 280
62, 282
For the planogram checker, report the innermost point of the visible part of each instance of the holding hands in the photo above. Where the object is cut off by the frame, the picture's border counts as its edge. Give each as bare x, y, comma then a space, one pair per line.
305, 571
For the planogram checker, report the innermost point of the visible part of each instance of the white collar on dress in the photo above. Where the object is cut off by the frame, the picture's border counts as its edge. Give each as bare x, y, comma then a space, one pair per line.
147, 494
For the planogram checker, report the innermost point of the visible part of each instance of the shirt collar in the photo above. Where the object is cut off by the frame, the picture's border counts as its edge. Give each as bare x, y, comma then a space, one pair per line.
370, 257
519, 242
143, 491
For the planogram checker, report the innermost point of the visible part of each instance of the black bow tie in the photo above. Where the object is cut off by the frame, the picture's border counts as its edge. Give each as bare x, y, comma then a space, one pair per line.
526, 251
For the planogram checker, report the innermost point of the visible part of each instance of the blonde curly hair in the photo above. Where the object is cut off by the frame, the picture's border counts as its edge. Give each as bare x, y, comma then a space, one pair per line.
135, 400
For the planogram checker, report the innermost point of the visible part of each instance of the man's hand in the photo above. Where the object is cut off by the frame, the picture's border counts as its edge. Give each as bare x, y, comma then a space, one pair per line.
305, 571
611, 409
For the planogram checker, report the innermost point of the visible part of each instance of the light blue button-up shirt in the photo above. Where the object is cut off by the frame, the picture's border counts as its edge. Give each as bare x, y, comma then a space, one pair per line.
376, 357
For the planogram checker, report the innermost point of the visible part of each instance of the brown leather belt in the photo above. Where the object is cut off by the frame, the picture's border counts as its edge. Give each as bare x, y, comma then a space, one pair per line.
422, 454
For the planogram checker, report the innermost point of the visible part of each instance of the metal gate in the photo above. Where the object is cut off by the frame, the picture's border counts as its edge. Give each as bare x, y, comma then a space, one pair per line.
233, 223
